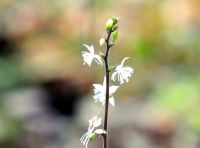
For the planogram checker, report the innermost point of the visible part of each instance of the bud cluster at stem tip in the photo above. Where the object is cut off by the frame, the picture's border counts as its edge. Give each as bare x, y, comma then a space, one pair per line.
111, 25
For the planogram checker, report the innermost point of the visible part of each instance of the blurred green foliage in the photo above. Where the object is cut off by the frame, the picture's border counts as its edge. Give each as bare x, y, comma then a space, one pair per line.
181, 96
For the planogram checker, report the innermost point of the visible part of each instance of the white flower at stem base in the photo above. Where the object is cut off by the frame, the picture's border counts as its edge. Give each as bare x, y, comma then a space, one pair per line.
88, 57
100, 92
94, 122
100, 131
122, 73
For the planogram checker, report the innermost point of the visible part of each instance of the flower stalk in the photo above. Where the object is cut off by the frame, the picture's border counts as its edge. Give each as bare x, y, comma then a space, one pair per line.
107, 73
103, 93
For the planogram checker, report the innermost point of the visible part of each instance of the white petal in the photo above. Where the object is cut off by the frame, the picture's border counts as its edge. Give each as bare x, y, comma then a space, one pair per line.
97, 122
126, 58
83, 137
92, 120
114, 76
128, 69
104, 82
121, 79
99, 98
112, 101
103, 103
98, 88
113, 89
86, 141
87, 57
118, 67
100, 131
90, 48
97, 58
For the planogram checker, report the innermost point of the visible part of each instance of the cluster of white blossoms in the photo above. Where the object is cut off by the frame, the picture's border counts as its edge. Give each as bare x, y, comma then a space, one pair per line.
120, 74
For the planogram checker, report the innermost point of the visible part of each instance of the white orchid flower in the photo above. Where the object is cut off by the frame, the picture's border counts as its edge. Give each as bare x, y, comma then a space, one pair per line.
94, 122
100, 92
88, 57
122, 73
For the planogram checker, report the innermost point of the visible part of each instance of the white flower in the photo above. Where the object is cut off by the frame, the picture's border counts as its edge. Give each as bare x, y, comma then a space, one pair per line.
88, 57
100, 92
122, 73
94, 122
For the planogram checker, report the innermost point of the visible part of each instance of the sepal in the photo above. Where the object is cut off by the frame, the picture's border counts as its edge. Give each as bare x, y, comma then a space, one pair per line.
111, 68
93, 136
101, 54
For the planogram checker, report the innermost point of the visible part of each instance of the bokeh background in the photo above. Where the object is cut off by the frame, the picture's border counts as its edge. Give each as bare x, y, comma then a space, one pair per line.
46, 92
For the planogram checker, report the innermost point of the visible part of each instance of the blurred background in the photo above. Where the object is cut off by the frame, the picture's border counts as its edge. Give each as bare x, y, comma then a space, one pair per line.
46, 92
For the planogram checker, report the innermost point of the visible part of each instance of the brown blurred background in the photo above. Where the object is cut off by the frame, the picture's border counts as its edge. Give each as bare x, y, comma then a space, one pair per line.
46, 92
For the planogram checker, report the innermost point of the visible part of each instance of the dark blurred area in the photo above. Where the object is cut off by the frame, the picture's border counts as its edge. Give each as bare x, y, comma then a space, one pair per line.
46, 92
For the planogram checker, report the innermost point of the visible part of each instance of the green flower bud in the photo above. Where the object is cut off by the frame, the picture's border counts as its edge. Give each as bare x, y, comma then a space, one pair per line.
115, 27
115, 35
115, 20
101, 54
93, 136
110, 68
109, 24
102, 41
